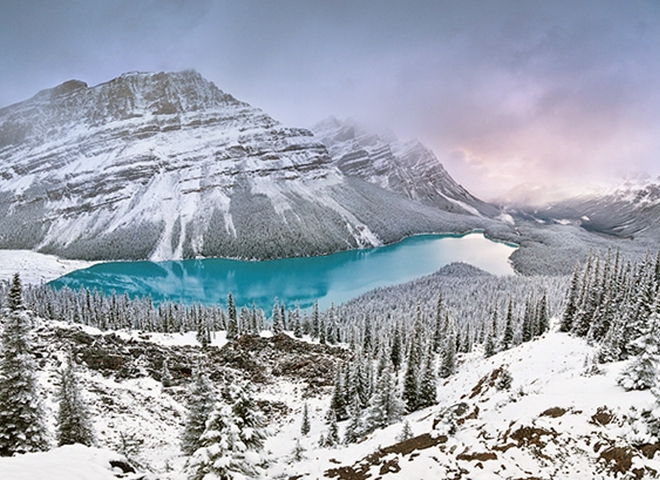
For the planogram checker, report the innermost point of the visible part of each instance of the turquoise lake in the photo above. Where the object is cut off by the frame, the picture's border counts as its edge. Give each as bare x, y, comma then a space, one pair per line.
329, 279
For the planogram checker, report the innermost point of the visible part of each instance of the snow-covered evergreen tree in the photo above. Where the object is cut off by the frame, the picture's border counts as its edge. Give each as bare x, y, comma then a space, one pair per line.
448, 359
201, 400
305, 426
22, 427
571, 305
490, 345
315, 320
332, 438
276, 319
232, 321
413, 367
354, 429
338, 401
406, 433
231, 444
642, 373
165, 375
386, 405
395, 350
542, 315
15, 294
74, 423
439, 331
297, 326
507, 338
203, 333
428, 393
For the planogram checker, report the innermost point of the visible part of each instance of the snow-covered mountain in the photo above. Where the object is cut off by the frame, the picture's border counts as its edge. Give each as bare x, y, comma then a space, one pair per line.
407, 168
630, 210
166, 165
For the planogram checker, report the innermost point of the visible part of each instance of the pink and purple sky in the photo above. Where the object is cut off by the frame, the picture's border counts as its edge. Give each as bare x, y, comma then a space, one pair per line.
560, 94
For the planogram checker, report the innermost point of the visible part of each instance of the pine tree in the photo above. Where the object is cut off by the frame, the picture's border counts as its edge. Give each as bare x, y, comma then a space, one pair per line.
15, 295
22, 427
231, 443
507, 338
640, 310
354, 427
448, 363
201, 399
428, 392
330, 327
367, 342
439, 331
411, 377
386, 405
322, 331
232, 322
297, 327
277, 321
305, 427
543, 317
165, 375
338, 399
315, 320
571, 304
74, 424
203, 334
528, 322
642, 374
332, 438
490, 347
298, 451
395, 350
406, 433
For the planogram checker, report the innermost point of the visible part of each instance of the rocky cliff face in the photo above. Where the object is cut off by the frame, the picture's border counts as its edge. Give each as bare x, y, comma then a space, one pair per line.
166, 165
406, 168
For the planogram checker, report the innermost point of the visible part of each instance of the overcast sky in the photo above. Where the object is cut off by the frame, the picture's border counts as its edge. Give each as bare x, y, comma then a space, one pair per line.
505, 93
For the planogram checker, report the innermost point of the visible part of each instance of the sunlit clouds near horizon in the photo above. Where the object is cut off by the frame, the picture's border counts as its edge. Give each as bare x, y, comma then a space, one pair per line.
547, 94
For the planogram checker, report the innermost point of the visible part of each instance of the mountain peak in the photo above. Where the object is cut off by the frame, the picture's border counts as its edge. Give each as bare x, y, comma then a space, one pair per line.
407, 168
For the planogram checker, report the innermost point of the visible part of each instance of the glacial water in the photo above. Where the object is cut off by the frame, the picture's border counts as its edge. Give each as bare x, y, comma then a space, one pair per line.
329, 279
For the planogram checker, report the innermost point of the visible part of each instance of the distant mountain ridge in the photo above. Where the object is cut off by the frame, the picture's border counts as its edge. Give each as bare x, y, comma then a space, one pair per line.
407, 168
628, 211
167, 165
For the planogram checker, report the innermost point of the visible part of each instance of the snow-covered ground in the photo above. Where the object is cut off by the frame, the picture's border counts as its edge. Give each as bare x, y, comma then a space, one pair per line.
542, 427
71, 462
546, 425
36, 268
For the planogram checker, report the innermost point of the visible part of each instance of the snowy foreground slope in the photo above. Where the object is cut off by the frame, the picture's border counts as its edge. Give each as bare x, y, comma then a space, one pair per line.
71, 462
554, 422
557, 420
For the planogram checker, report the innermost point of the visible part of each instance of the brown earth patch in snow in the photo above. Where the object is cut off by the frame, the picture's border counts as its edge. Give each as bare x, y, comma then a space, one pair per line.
554, 412
262, 360
603, 416
618, 459
650, 449
480, 457
486, 382
360, 469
